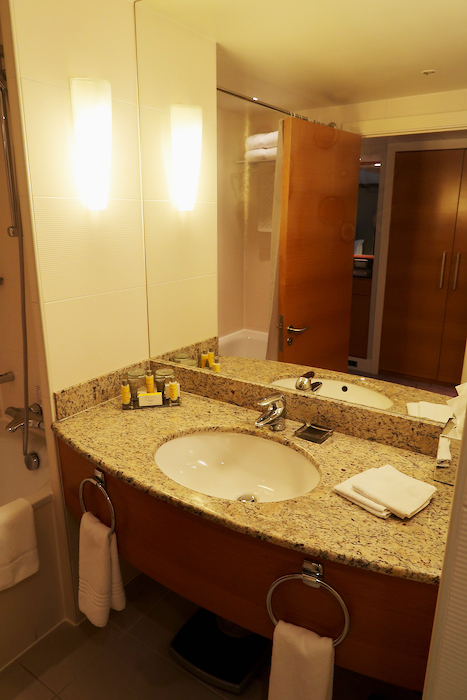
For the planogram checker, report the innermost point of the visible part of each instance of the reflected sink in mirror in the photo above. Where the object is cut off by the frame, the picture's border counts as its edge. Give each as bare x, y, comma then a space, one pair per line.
344, 391
237, 466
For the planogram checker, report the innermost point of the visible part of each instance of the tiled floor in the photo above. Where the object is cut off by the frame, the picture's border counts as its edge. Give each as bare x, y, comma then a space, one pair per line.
129, 660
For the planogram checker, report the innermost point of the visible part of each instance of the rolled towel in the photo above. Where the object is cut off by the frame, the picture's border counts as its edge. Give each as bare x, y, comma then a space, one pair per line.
19, 557
261, 141
399, 493
433, 411
261, 154
302, 664
346, 489
100, 581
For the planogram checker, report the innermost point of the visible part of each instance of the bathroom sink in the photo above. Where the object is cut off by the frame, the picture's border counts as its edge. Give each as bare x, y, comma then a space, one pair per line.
237, 466
344, 391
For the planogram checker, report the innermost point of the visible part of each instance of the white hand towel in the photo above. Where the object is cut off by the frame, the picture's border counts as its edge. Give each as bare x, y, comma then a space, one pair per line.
261, 154
433, 411
19, 557
302, 665
399, 493
444, 451
346, 489
100, 581
458, 405
261, 141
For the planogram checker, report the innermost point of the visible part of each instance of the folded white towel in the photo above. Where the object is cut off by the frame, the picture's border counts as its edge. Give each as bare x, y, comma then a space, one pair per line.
19, 557
100, 581
444, 450
458, 405
347, 490
261, 141
433, 411
261, 154
302, 664
399, 493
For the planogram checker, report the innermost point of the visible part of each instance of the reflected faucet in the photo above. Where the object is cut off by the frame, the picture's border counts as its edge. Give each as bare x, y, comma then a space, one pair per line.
35, 419
274, 416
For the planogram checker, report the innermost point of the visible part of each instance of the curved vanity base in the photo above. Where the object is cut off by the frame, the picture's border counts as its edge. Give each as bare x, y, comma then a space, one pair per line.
229, 573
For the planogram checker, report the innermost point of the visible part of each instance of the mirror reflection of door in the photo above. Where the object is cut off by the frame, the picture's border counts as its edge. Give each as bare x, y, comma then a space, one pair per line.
425, 307
318, 212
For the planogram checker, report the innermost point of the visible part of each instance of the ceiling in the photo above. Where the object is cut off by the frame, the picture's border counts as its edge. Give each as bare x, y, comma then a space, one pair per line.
301, 54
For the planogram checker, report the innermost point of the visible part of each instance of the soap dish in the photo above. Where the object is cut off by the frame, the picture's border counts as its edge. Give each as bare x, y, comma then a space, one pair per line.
313, 433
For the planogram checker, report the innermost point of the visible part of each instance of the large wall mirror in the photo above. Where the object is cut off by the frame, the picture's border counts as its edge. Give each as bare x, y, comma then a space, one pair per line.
210, 271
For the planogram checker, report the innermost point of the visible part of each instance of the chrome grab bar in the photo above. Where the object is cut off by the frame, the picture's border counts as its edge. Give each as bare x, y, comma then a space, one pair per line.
311, 575
456, 272
99, 481
443, 265
291, 329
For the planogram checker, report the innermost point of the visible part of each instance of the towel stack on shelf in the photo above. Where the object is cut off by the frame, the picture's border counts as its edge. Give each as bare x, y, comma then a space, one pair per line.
261, 147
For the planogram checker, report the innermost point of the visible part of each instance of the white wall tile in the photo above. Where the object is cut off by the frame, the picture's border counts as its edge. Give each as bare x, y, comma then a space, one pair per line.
94, 335
182, 312
180, 244
50, 140
176, 66
83, 253
87, 39
156, 157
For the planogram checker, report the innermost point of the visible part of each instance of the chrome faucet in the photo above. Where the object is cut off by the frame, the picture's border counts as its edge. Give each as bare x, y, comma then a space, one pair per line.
274, 416
7, 377
35, 419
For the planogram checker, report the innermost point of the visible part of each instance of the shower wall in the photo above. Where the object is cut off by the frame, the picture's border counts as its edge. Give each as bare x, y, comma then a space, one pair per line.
245, 196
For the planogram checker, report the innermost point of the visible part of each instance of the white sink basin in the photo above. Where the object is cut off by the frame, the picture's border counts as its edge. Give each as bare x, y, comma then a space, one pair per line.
333, 389
237, 466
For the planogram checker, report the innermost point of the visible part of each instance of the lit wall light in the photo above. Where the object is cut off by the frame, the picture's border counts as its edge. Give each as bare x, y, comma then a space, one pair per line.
91, 102
186, 124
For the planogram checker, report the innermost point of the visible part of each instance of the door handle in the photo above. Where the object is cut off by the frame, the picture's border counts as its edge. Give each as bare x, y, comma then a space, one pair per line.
456, 272
291, 329
443, 265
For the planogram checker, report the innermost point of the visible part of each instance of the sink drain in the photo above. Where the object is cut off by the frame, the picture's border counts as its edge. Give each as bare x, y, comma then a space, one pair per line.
247, 498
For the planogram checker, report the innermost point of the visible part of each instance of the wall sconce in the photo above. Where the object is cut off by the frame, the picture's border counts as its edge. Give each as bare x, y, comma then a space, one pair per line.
186, 125
91, 102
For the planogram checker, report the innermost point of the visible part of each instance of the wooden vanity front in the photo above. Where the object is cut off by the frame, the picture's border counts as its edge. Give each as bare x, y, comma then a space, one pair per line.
230, 573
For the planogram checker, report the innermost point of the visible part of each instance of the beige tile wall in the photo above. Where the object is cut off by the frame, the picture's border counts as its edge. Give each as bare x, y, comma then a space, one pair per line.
90, 264
177, 66
231, 220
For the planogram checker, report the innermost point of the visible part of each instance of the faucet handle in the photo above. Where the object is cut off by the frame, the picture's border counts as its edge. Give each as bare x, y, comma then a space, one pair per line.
276, 400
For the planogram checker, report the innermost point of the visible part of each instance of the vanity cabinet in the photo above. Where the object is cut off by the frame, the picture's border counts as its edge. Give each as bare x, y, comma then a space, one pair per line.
230, 573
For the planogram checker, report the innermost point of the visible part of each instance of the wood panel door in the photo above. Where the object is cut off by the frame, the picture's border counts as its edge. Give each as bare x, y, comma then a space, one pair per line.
423, 220
455, 320
319, 202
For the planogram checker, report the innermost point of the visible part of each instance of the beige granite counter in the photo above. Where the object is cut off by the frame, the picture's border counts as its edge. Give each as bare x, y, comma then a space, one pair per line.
321, 523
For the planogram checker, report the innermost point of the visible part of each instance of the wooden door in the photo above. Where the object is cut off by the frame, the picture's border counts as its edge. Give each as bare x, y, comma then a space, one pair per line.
319, 202
455, 321
423, 219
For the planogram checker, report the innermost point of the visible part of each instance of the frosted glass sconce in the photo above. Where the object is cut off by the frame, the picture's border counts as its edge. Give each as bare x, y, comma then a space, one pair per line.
91, 102
186, 125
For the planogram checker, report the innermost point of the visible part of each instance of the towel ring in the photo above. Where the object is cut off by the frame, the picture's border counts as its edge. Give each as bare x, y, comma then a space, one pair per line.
311, 575
98, 481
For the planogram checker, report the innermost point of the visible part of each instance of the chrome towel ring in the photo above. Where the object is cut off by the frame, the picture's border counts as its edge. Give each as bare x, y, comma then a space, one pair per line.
98, 481
311, 575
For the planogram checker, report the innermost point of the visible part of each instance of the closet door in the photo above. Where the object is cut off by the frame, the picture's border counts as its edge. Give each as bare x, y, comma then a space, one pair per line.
455, 322
423, 220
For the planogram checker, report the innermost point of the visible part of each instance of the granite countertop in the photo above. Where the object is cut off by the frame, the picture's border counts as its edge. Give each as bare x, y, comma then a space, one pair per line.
267, 371
321, 523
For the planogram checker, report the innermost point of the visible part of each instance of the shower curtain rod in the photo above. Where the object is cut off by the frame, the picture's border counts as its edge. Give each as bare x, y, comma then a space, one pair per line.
256, 101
